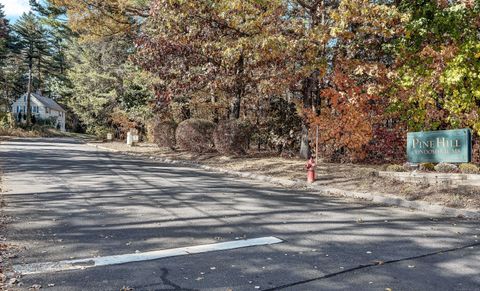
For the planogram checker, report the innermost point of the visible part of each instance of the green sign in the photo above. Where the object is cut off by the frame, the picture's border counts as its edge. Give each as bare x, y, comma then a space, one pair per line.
448, 146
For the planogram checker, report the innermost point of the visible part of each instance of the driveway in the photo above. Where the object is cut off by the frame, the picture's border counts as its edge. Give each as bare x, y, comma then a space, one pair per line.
70, 201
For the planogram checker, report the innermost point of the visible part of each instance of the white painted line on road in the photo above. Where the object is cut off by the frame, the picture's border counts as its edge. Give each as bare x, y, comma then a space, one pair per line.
38, 268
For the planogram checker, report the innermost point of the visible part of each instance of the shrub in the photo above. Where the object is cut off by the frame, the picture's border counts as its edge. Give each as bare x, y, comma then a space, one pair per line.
395, 168
232, 137
164, 133
427, 167
446, 168
279, 127
122, 123
7, 120
99, 131
195, 135
469, 169
50, 121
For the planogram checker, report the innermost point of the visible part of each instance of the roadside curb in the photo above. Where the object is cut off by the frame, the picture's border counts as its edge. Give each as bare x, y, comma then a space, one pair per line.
103, 148
400, 202
373, 197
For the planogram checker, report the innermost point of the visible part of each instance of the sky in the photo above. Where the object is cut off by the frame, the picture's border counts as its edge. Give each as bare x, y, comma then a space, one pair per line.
15, 8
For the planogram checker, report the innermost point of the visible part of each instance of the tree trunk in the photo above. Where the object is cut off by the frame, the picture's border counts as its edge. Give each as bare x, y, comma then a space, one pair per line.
39, 74
239, 89
305, 151
29, 92
216, 117
310, 96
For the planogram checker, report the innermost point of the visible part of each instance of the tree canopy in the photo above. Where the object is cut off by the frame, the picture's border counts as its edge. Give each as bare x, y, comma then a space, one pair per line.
364, 72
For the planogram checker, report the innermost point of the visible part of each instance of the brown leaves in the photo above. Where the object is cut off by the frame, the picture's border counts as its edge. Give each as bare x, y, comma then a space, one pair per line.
95, 19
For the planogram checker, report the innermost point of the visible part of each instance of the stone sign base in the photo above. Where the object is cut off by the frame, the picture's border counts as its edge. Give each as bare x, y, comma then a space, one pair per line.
438, 179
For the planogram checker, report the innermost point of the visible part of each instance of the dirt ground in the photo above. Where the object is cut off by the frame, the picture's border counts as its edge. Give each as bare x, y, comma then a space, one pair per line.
7, 251
360, 178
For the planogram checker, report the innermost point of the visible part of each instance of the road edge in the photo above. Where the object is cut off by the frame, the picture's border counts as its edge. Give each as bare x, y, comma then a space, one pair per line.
427, 207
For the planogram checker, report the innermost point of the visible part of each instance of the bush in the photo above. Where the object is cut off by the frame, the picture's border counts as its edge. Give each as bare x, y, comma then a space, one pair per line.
232, 137
195, 135
122, 123
7, 120
427, 167
99, 131
164, 133
469, 169
50, 121
395, 168
446, 168
279, 127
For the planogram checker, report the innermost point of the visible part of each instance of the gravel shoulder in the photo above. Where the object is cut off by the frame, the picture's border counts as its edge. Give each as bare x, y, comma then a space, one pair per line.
7, 250
349, 177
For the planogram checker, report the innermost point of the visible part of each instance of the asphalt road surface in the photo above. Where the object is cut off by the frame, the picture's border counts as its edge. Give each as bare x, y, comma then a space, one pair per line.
70, 201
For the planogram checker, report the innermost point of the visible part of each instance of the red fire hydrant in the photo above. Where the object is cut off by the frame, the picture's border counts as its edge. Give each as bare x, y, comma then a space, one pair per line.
310, 166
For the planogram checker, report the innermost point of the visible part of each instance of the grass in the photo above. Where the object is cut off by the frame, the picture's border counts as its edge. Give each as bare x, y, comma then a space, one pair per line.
42, 132
37, 132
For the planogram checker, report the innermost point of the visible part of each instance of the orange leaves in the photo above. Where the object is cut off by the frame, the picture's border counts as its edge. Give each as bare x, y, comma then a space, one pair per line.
345, 122
353, 109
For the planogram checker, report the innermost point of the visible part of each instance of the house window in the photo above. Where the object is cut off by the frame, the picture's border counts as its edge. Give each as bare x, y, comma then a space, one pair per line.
47, 110
25, 98
18, 109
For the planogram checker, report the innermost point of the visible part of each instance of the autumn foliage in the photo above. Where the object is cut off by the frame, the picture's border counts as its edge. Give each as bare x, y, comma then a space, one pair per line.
164, 133
195, 135
232, 137
347, 122
363, 72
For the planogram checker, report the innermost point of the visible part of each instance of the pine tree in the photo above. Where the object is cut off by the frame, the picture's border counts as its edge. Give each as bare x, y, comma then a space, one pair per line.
33, 48
4, 35
5, 40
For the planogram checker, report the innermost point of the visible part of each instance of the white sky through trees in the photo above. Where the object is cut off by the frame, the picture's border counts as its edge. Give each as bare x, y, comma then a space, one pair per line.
15, 8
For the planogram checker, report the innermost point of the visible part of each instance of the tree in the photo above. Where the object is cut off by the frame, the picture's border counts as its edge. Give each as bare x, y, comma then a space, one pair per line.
59, 38
316, 57
33, 47
4, 50
94, 19
357, 82
224, 53
4, 34
107, 89
438, 65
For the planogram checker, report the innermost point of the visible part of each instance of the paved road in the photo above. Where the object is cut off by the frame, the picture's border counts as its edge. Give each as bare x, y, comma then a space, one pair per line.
71, 201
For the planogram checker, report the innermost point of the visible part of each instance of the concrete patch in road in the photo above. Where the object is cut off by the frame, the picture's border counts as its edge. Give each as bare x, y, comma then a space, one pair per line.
38, 268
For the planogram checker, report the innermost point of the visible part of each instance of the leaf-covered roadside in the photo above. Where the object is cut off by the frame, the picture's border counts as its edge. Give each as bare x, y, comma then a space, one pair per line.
7, 251
3, 245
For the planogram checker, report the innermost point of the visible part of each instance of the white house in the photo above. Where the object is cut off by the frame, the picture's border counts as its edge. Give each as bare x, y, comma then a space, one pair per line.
42, 108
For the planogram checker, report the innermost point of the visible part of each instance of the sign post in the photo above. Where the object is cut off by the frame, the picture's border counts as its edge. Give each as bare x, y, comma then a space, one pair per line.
316, 148
444, 146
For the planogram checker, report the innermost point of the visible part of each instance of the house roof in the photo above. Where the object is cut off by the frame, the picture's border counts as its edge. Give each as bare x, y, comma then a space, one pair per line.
47, 102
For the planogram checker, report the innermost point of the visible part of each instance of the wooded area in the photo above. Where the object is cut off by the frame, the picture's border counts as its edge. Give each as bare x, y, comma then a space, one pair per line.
253, 73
